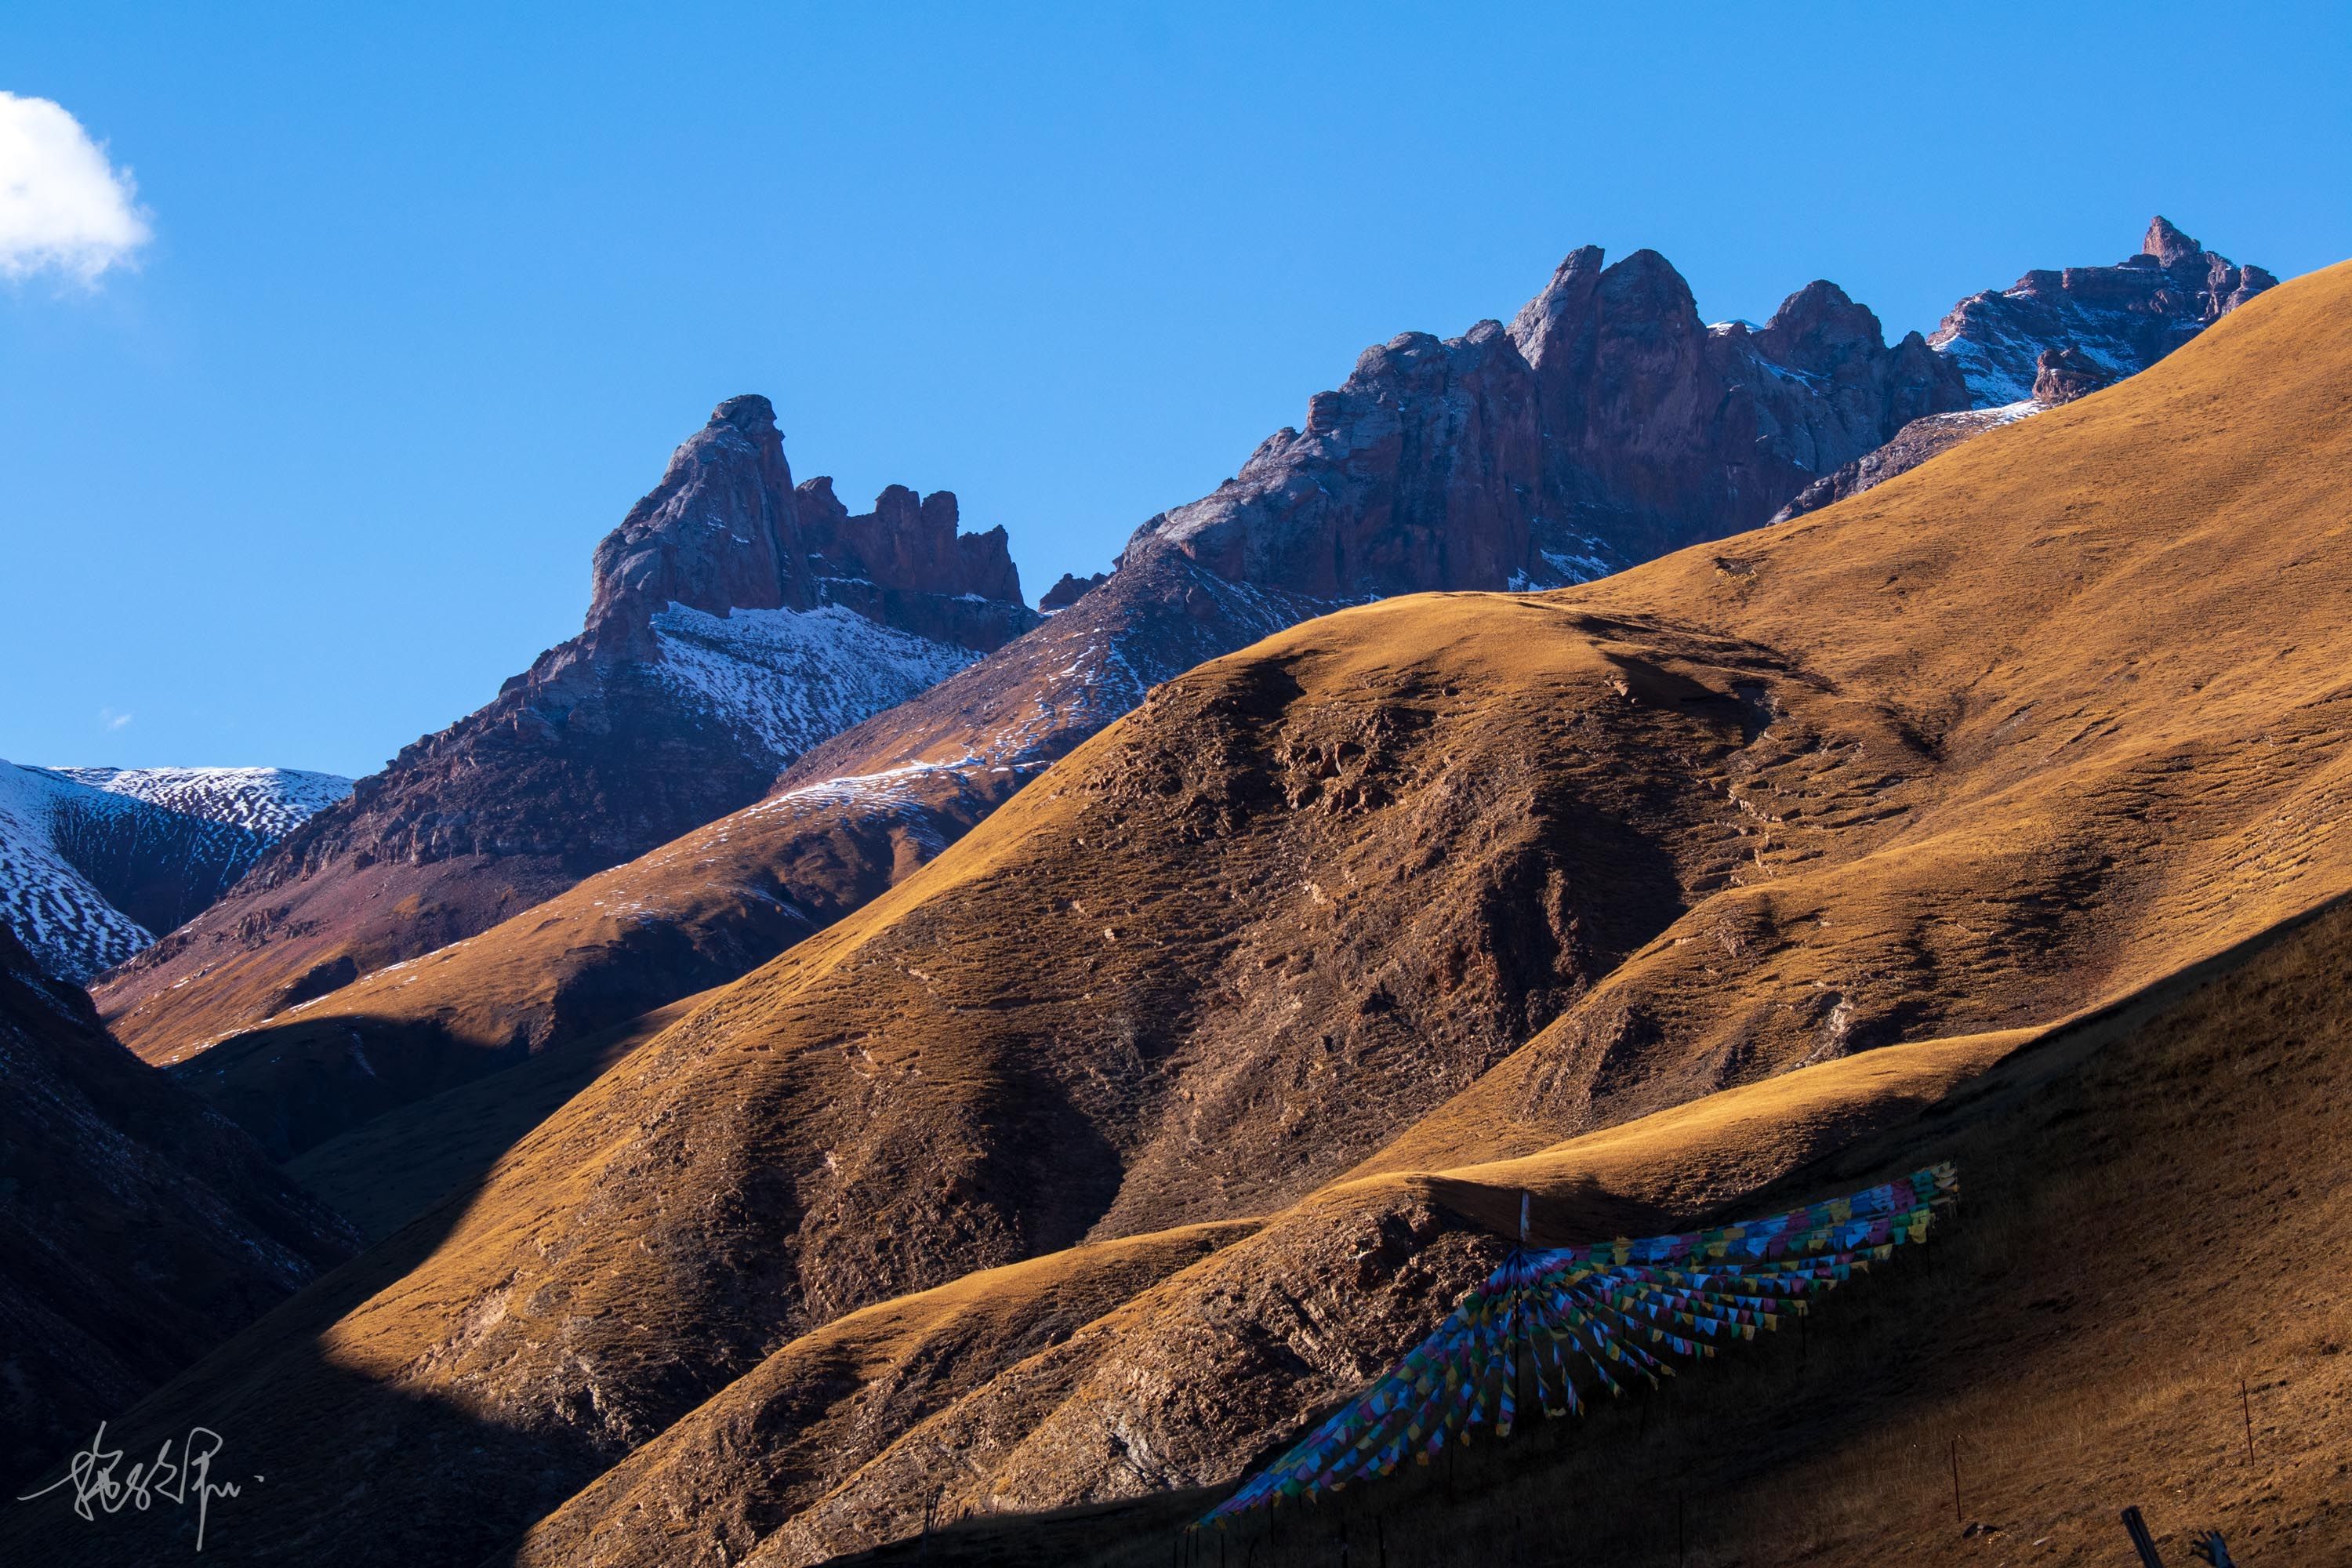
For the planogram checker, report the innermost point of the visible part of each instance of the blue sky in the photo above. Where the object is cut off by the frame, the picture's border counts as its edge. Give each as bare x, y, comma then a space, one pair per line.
427, 302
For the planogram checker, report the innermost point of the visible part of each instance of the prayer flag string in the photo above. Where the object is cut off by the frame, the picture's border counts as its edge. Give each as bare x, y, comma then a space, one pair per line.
1614, 1311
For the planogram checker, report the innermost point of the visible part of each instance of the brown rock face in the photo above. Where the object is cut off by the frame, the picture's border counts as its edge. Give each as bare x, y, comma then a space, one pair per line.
2061, 376
720, 532
138, 1228
904, 565
726, 530
735, 621
1070, 590
1607, 423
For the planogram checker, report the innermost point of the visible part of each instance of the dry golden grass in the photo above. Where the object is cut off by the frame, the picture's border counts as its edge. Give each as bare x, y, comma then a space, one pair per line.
2115, 629
680, 919
2153, 1210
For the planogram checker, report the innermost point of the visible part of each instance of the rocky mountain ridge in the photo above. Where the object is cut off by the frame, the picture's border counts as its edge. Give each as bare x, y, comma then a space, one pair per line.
2122, 317
735, 619
2050, 338
1607, 422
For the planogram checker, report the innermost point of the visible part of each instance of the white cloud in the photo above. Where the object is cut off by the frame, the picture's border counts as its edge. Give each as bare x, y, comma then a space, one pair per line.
63, 208
108, 719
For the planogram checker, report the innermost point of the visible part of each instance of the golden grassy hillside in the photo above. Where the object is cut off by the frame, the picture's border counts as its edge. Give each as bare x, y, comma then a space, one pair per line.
2140, 1302
1393, 896
1189, 1378
2116, 628
682, 918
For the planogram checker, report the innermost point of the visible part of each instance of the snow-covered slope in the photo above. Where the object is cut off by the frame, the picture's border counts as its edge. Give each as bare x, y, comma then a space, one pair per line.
793, 678
94, 860
55, 911
272, 802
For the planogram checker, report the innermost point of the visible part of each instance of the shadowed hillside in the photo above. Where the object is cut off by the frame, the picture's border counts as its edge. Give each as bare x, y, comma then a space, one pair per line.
138, 1227
1398, 894
2138, 1304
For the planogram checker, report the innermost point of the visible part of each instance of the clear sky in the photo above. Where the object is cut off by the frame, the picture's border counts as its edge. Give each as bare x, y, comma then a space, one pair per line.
426, 294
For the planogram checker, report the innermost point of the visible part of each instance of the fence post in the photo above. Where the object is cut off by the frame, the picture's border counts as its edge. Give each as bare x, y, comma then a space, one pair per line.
1952, 1446
2137, 1527
2246, 1408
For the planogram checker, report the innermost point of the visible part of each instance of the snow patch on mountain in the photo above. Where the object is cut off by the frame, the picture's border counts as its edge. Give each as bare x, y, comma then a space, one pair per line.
272, 802
53, 909
793, 678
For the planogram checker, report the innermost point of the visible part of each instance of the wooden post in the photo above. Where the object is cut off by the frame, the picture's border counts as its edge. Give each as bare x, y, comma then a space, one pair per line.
2246, 1408
1952, 1446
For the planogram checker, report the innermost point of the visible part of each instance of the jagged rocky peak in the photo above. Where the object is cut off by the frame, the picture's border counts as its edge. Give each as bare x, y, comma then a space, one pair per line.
718, 533
736, 621
1420, 471
905, 563
727, 530
2119, 319
1069, 589
1606, 425
2167, 245
1537, 328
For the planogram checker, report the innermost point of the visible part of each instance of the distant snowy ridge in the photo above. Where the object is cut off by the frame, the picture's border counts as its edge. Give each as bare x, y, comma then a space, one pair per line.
78, 844
793, 677
272, 802
56, 911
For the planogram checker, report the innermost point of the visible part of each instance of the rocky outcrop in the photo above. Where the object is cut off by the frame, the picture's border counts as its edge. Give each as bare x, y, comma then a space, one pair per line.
727, 530
1070, 590
735, 620
1912, 446
1606, 425
2050, 338
136, 1227
2061, 376
2121, 319
904, 565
